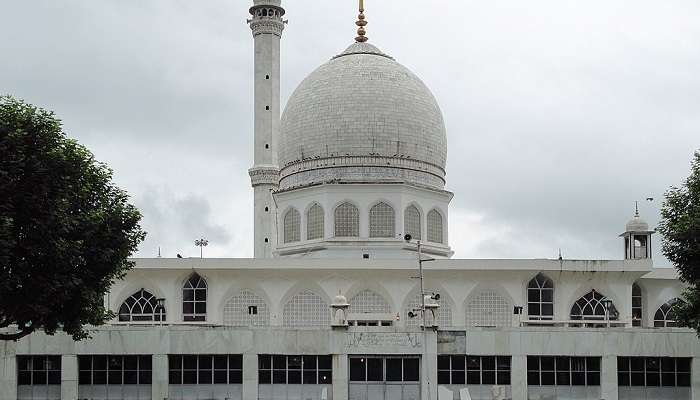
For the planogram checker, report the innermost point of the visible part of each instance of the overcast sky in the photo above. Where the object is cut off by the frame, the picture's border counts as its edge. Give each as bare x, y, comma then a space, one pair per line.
560, 114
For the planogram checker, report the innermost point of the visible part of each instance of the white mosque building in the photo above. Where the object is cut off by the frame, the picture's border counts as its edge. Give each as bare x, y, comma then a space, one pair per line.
349, 184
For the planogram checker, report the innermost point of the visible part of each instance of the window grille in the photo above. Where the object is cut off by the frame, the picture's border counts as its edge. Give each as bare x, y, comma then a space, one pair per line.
473, 370
194, 299
114, 370
314, 222
294, 369
368, 301
664, 315
141, 306
563, 371
347, 221
306, 309
238, 311
38, 370
636, 305
489, 309
444, 313
381, 221
384, 369
292, 226
591, 307
411, 222
540, 298
205, 369
653, 371
435, 227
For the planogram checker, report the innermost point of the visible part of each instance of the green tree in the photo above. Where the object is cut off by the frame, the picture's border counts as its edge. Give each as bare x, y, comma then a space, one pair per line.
680, 227
66, 230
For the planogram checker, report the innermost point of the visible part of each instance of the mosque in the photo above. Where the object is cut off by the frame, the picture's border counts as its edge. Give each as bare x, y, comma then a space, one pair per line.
353, 293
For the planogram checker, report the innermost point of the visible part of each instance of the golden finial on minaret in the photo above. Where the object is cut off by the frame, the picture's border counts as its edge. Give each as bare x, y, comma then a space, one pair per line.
361, 23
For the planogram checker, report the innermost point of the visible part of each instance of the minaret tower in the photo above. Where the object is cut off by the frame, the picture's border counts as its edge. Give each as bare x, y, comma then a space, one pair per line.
267, 26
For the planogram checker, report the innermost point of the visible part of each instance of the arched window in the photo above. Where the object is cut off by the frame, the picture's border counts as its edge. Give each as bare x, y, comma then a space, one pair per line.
141, 306
306, 308
314, 222
381, 221
664, 315
194, 299
444, 314
434, 226
540, 298
347, 221
292, 226
367, 302
246, 309
411, 222
489, 309
636, 305
591, 307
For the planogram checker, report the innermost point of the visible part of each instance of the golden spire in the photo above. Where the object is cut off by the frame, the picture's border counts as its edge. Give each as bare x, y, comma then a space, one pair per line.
361, 23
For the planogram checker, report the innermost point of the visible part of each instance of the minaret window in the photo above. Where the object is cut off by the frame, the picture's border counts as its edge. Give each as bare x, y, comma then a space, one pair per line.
411, 222
292, 226
194, 299
591, 307
347, 221
435, 227
381, 221
141, 306
664, 318
314, 222
636, 305
540, 298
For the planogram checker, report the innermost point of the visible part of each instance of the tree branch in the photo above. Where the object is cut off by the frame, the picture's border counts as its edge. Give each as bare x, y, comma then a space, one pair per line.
17, 335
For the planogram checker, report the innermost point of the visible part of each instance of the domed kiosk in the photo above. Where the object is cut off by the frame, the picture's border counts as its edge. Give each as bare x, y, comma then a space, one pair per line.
362, 160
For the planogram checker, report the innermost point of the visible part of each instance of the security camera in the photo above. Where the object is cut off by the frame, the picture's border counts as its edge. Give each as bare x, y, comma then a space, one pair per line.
411, 314
407, 237
436, 296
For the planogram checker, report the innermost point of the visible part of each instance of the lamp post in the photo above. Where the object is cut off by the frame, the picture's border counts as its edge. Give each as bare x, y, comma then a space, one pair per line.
201, 243
606, 304
160, 305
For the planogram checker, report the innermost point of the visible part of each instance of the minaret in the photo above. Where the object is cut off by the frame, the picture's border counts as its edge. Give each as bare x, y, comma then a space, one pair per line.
267, 26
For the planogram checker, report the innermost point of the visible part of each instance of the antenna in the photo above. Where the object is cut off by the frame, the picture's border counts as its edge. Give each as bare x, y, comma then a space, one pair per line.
158, 251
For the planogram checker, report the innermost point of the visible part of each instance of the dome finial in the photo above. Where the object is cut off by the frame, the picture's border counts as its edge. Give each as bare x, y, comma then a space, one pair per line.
636, 209
361, 23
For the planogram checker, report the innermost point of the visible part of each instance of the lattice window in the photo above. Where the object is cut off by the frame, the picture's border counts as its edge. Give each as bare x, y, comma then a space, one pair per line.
435, 227
489, 308
141, 306
368, 301
540, 298
592, 307
411, 222
306, 309
381, 221
246, 309
444, 313
292, 226
636, 305
664, 315
347, 221
314, 222
194, 299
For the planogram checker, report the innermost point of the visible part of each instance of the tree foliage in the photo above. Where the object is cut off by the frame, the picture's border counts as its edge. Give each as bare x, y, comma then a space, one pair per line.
66, 230
680, 227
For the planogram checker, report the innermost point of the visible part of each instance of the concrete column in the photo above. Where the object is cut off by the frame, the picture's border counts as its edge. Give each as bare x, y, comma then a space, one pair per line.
69, 377
341, 377
250, 377
518, 377
8, 370
608, 378
695, 378
429, 366
159, 383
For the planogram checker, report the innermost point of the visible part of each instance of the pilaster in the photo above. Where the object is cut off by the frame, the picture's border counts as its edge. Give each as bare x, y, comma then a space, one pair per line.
429, 386
608, 377
695, 378
8, 370
518, 377
250, 377
341, 376
159, 383
69, 377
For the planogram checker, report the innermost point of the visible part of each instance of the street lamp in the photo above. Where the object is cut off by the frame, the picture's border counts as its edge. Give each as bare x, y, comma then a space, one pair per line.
607, 303
201, 243
160, 306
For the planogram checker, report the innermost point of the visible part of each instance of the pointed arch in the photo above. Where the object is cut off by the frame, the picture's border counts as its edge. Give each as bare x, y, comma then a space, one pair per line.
306, 308
435, 226
346, 220
591, 307
637, 309
292, 226
315, 222
488, 308
382, 221
194, 299
141, 306
540, 298
246, 308
412, 222
664, 316
368, 301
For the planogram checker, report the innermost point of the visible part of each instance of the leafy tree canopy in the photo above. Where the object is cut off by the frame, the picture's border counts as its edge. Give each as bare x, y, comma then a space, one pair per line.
680, 227
65, 229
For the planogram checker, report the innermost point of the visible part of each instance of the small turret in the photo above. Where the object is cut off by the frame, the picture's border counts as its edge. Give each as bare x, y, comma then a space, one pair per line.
637, 238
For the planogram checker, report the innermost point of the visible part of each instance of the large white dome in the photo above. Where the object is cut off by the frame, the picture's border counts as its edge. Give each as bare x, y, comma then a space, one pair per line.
362, 117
